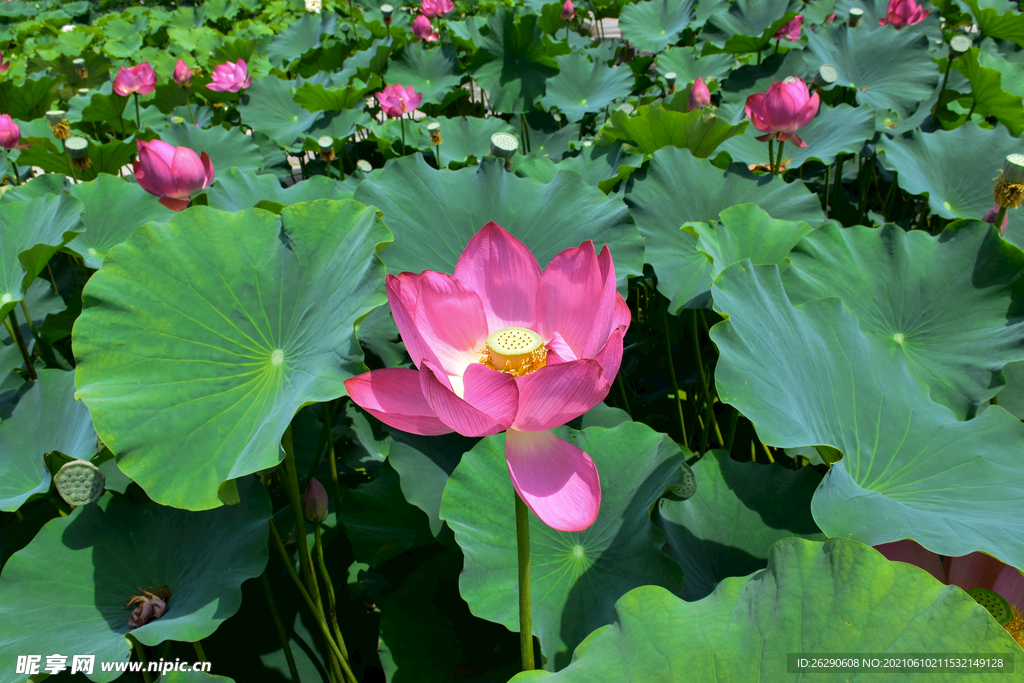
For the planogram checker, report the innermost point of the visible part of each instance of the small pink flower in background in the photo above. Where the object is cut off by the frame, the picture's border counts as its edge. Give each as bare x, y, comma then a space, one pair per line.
172, 173
700, 96
786, 107
10, 133
830, 18
568, 11
139, 79
436, 8
182, 74
902, 13
314, 502
230, 77
791, 29
967, 572
397, 100
422, 28
992, 214
505, 346
4, 66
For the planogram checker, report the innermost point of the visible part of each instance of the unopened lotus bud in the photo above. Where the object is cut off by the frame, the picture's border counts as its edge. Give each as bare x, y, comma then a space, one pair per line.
80, 69
78, 149
79, 482
314, 502
326, 144
960, 44
435, 133
1009, 189
856, 14
670, 82
386, 11
826, 76
364, 166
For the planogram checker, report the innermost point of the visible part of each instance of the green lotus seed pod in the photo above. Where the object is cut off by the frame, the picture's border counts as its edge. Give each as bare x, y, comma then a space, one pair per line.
996, 604
686, 489
79, 482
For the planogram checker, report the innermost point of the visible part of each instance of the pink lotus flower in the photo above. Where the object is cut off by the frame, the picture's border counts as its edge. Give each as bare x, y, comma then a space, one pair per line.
182, 74
503, 346
397, 100
785, 107
139, 79
699, 95
568, 11
172, 173
436, 8
968, 572
4, 66
902, 13
10, 133
230, 77
422, 28
791, 29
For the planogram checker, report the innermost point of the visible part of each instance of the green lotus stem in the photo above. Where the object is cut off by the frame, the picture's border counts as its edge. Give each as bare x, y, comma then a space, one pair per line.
525, 599
828, 186
622, 388
281, 633
672, 374
138, 114
334, 465
141, 654
707, 392
945, 79
437, 156
767, 452
973, 105
402, 119
526, 133
295, 500
199, 650
778, 159
17, 176
771, 156
21, 518
732, 429
332, 611
15, 331
190, 114
53, 280
839, 178
777, 45
999, 222
313, 607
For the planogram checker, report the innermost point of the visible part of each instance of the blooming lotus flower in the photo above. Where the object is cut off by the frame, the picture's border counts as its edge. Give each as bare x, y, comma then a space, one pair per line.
504, 346
785, 107
902, 13
230, 77
172, 173
182, 74
10, 133
397, 100
700, 96
436, 8
4, 66
568, 11
968, 572
791, 29
422, 28
139, 79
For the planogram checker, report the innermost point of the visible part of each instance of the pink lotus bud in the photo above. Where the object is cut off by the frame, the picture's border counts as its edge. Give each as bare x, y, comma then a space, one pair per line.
10, 133
172, 173
699, 95
791, 29
902, 13
436, 8
314, 502
139, 79
830, 18
568, 11
992, 214
4, 66
422, 28
230, 77
397, 100
786, 107
182, 74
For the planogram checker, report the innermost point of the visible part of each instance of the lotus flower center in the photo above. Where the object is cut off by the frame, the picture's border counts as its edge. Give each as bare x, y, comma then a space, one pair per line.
514, 350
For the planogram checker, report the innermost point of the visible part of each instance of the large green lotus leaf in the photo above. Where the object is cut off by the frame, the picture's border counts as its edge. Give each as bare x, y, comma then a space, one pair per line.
808, 376
958, 184
46, 419
301, 37
1005, 25
952, 303
653, 25
512, 64
653, 127
428, 634
746, 231
431, 72
835, 599
200, 339
986, 86
748, 25
576, 576
29, 99
865, 58
314, 97
434, 214
601, 165
1011, 397
582, 87
678, 188
40, 186
461, 137
835, 129
102, 553
272, 110
687, 64
109, 158
113, 210
227, 148
30, 233
739, 511
235, 190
